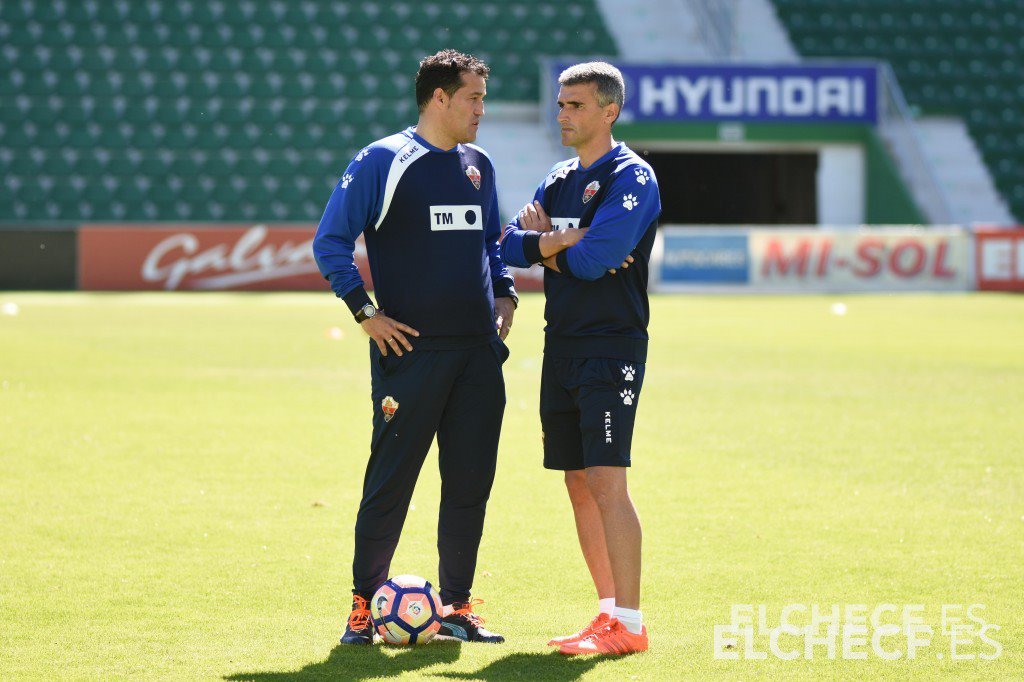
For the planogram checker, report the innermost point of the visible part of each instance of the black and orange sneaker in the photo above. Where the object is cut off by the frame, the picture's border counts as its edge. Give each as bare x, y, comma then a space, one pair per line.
463, 625
359, 629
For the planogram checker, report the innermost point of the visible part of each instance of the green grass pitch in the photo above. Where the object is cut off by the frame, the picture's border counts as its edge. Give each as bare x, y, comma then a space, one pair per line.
179, 475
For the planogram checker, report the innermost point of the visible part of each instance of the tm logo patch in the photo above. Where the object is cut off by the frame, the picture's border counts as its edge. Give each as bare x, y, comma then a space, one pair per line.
456, 217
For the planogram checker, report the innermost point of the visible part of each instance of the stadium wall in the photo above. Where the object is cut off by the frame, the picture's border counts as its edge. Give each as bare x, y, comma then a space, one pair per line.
733, 259
38, 257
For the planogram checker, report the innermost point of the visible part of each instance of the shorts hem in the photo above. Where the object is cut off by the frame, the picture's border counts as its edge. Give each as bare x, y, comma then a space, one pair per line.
585, 466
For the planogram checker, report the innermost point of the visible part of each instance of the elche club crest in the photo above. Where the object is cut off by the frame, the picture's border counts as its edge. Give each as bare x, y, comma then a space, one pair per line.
389, 406
590, 191
474, 176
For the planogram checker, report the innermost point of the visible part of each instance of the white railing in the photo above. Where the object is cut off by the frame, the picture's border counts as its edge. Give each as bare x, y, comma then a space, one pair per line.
896, 127
716, 21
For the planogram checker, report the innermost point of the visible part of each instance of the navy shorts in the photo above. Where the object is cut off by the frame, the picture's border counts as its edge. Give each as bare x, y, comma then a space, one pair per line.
587, 410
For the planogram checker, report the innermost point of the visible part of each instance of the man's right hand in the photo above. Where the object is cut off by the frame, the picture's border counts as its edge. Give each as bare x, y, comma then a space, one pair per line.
388, 333
533, 217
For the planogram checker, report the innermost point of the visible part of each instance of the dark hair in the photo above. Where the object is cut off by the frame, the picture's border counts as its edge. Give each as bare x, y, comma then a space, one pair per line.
610, 86
444, 70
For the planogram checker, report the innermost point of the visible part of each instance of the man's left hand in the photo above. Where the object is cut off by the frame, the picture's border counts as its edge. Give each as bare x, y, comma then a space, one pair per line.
504, 311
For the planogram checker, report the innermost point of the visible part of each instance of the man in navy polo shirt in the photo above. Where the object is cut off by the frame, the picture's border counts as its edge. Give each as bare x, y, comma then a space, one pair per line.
603, 207
425, 200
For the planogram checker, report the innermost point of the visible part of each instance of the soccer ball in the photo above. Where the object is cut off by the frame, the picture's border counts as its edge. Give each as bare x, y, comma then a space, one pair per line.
406, 610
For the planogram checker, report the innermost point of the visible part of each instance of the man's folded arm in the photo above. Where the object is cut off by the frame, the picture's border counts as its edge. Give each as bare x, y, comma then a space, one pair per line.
521, 248
618, 226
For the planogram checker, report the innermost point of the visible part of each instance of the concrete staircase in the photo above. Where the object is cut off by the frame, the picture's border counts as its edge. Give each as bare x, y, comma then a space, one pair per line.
961, 172
655, 30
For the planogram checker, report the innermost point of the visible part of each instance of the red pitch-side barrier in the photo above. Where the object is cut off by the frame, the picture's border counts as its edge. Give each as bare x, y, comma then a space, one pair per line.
202, 256
999, 259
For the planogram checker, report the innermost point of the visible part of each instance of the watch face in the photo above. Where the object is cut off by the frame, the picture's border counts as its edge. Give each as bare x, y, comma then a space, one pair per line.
369, 310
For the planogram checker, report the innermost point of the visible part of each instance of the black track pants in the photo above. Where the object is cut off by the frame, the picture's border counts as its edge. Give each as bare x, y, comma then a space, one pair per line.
459, 395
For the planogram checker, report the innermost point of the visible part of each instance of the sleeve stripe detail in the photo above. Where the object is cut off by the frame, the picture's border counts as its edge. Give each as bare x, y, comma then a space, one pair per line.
404, 158
560, 172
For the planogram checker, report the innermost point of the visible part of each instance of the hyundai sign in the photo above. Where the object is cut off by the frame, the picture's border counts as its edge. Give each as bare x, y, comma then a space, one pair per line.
841, 93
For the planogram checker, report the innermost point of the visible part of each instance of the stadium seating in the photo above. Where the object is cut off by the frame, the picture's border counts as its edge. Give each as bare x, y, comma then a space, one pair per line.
951, 56
234, 109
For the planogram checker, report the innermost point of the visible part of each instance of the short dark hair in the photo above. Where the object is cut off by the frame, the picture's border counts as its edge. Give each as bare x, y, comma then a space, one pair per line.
444, 70
610, 86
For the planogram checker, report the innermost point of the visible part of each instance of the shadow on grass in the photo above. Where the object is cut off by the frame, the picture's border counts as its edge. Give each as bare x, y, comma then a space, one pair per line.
366, 662
551, 666
348, 662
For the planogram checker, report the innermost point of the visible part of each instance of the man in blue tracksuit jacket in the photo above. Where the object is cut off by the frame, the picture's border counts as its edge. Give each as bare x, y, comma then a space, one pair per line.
596, 247
426, 202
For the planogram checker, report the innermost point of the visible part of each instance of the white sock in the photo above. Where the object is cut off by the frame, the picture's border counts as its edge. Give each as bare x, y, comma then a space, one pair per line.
606, 605
632, 619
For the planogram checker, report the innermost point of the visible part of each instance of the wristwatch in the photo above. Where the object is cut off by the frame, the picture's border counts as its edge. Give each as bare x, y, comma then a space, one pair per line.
365, 313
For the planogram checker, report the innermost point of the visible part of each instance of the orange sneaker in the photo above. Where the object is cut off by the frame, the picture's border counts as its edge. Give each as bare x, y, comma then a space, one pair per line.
613, 639
599, 621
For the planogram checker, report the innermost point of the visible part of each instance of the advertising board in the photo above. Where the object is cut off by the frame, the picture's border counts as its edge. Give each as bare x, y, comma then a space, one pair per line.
202, 256
883, 259
791, 93
999, 259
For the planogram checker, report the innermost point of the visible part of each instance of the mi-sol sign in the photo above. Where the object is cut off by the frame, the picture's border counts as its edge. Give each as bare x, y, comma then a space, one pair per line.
201, 256
893, 259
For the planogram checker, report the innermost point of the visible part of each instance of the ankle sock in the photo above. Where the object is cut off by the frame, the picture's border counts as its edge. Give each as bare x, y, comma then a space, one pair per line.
606, 605
632, 619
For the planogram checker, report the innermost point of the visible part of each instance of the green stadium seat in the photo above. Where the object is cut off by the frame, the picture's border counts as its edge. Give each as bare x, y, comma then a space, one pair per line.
295, 88
951, 57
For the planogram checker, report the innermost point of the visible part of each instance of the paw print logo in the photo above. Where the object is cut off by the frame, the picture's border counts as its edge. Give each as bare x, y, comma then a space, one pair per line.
627, 397
362, 154
629, 201
345, 179
628, 372
641, 176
